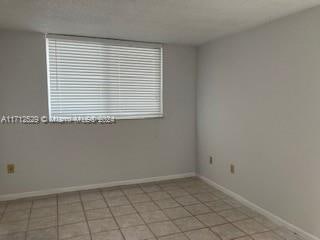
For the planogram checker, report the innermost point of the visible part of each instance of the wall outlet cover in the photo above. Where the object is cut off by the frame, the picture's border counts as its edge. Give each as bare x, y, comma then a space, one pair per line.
10, 168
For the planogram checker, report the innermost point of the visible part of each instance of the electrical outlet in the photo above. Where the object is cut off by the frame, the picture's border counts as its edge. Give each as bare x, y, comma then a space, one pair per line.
232, 168
10, 168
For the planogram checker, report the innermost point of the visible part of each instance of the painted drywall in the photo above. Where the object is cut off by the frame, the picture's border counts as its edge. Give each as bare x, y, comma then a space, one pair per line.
54, 156
258, 97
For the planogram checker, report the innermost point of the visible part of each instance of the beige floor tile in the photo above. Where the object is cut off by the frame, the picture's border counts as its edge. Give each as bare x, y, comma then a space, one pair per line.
137, 233
42, 197
211, 219
71, 207
177, 193
14, 236
110, 235
209, 207
73, 230
188, 224
45, 202
169, 186
15, 216
146, 207
233, 202
202, 234
112, 193
266, 222
43, 234
175, 213
132, 191
205, 197
83, 237
13, 227
163, 228
2, 208
228, 231
129, 220
122, 210
187, 200
178, 236
98, 213
194, 190
94, 204
102, 225
156, 216
44, 212
167, 203
150, 188
90, 195
19, 205
117, 201
159, 195
198, 209
73, 217
233, 215
39, 223
250, 226
66, 198
137, 198
266, 236
219, 194
245, 238
249, 212
218, 206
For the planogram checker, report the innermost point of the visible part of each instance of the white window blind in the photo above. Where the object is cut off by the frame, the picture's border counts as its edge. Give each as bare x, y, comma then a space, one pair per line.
89, 77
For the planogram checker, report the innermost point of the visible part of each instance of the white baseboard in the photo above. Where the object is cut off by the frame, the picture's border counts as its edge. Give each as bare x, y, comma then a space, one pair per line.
305, 235
14, 196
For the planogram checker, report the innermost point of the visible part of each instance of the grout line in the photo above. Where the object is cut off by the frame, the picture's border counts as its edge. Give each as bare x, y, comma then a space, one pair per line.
29, 219
85, 215
142, 217
4, 210
109, 207
58, 237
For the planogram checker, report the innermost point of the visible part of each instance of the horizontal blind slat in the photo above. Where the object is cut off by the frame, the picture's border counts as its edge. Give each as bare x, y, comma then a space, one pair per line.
92, 44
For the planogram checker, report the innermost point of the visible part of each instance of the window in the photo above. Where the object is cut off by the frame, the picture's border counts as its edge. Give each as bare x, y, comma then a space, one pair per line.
91, 77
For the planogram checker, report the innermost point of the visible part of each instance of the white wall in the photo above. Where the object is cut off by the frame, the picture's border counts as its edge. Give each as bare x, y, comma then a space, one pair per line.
53, 156
258, 106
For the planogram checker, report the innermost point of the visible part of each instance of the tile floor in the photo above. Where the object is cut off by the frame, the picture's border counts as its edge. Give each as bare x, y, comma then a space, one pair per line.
184, 209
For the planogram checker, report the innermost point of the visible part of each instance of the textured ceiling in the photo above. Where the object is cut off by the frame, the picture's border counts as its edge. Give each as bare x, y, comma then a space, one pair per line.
173, 21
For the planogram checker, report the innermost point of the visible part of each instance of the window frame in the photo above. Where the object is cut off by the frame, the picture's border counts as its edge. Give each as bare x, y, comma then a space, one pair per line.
116, 42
